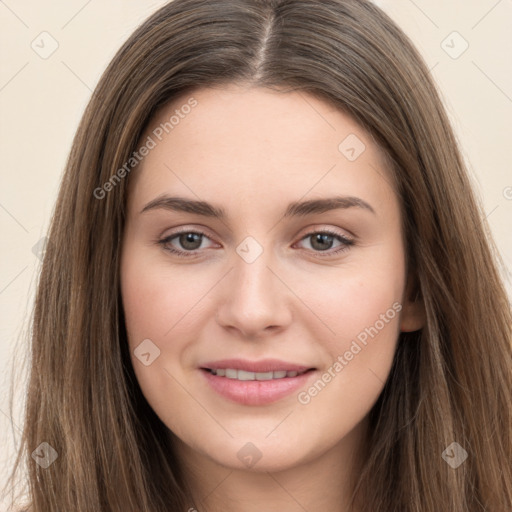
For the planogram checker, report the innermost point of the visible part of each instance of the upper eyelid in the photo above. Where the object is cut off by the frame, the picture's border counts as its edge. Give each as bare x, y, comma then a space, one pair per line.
197, 231
316, 227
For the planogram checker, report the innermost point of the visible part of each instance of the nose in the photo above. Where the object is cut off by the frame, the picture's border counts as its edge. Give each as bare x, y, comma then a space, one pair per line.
255, 301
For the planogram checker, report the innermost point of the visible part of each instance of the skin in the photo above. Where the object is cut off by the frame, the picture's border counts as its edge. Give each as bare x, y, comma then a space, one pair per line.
251, 151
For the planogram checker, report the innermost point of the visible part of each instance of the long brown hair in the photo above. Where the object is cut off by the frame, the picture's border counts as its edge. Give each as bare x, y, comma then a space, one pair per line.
450, 382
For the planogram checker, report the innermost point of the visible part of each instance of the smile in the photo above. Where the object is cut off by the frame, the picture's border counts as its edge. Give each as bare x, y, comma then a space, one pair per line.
232, 373
255, 382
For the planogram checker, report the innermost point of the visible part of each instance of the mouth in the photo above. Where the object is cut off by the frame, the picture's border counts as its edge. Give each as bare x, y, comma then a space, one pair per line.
255, 383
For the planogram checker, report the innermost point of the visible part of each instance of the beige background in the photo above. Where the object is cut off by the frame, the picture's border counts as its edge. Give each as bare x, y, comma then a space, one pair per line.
42, 99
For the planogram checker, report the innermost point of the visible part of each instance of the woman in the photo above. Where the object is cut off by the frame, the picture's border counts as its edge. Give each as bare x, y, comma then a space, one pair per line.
268, 284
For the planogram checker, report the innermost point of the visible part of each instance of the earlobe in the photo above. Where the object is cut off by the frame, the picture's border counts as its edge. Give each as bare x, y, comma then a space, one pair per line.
413, 312
413, 316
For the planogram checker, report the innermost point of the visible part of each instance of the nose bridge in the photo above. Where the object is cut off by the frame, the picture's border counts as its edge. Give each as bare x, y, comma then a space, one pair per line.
252, 282
254, 297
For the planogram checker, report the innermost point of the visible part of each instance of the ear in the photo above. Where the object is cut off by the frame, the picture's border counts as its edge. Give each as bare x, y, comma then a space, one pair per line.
413, 309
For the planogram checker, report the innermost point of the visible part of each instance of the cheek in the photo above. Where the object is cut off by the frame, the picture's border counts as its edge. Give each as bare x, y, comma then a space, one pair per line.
353, 376
360, 319
158, 308
165, 304
157, 299
351, 300
351, 382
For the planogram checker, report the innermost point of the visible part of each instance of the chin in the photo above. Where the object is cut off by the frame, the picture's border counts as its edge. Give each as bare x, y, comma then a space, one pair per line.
259, 455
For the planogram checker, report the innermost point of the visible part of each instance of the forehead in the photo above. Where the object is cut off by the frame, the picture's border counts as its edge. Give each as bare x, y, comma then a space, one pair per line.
256, 141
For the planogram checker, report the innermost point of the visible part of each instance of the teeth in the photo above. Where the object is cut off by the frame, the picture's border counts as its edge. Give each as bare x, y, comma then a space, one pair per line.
264, 376
232, 373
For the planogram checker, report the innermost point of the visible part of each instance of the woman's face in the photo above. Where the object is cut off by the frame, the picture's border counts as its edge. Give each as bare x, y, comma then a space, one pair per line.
262, 241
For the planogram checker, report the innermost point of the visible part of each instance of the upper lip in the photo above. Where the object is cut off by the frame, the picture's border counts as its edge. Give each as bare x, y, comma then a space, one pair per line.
263, 366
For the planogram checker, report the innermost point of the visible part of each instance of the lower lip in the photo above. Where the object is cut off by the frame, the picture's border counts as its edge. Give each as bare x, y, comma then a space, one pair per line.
256, 392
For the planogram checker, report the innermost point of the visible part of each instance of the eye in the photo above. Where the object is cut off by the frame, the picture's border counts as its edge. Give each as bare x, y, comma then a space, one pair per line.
322, 241
188, 242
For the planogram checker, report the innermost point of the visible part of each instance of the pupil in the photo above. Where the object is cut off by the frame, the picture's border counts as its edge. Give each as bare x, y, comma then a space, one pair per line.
322, 238
189, 240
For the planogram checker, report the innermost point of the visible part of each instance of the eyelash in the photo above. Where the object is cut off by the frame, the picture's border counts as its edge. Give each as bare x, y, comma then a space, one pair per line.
347, 242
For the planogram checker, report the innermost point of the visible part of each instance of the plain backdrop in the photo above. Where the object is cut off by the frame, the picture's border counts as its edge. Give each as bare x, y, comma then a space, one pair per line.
52, 55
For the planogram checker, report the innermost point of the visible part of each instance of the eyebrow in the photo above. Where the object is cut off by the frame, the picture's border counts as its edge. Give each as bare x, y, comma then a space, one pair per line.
295, 209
